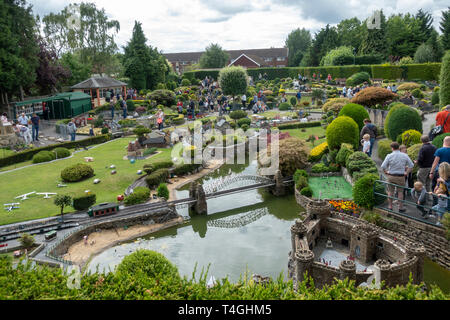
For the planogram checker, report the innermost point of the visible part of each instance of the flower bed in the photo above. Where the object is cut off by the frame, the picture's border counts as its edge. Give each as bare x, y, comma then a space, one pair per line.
345, 206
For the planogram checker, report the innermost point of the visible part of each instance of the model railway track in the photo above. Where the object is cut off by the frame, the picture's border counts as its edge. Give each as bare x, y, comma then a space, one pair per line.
79, 219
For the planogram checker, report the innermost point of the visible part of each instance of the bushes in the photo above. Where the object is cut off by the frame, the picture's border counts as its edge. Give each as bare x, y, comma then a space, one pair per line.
183, 169
163, 191
342, 129
293, 101
360, 162
444, 92
157, 177
410, 137
417, 94
355, 111
284, 106
435, 98
338, 57
185, 82
344, 152
372, 96
307, 192
302, 182
299, 173
130, 105
149, 168
335, 104
139, 195
317, 152
408, 86
243, 121
298, 125
322, 168
363, 194
84, 201
28, 154
384, 148
401, 118
358, 78
61, 152
44, 156
77, 172
238, 114
438, 141
164, 97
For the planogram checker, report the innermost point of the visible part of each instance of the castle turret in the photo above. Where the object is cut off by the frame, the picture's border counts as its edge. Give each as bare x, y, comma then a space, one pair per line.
304, 260
363, 242
382, 270
318, 209
347, 269
298, 230
417, 250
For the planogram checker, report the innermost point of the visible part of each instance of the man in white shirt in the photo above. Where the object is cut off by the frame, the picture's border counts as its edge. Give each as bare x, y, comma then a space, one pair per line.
23, 119
244, 100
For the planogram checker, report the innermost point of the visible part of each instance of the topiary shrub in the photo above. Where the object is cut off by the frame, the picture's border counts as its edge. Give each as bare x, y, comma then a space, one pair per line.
84, 201
77, 172
44, 156
363, 194
130, 105
384, 148
444, 92
417, 93
335, 104
105, 130
163, 191
438, 141
408, 86
302, 182
151, 167
299, 173
372, 96
146, 264
293, 155
243, 121
359, 161
435, 98
307, 192
410, 137
342, 130
185, 82
344, 152
284, 106
401, 118
293, 101
238, 114
164, 97
139, 195
61, 152
358, 78
157, 177
318, 151
355, 111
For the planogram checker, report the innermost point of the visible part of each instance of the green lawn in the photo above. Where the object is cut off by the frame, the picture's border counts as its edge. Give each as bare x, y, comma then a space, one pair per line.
316, 131
330, 188
44, 178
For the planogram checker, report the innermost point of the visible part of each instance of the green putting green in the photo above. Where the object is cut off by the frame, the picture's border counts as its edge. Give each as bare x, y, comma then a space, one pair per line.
330, 188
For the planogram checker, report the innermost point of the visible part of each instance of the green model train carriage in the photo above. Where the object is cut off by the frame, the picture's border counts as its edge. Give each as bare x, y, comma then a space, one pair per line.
103, 209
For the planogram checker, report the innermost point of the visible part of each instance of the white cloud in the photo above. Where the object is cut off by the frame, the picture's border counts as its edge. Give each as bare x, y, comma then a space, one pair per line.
191, 25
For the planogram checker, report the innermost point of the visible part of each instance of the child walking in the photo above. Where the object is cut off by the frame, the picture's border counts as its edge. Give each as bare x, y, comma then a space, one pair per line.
366, 144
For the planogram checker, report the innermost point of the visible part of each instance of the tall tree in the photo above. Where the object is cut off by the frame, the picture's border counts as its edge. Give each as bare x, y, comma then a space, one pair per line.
144, 65
85, 29
18, 53
374, 35
297, 42
425, 20
403, 35
214, 57
445, 29
325, 40
50, 72
79, 70
350, 33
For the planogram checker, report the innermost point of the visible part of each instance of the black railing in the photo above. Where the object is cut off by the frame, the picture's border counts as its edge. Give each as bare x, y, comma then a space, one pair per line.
412, 209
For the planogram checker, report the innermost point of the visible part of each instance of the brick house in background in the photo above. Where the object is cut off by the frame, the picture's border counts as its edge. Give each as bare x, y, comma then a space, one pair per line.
251, 58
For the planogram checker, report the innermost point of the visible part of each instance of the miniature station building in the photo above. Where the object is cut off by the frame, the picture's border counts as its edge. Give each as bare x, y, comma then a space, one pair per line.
96, 88
156, 139
60, 106
392, 256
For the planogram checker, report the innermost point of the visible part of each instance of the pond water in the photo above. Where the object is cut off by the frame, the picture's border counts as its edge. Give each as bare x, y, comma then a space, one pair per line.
243, 232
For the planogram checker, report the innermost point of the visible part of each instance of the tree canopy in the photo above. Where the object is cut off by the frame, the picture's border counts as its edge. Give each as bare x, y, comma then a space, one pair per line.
214, 57
298, 42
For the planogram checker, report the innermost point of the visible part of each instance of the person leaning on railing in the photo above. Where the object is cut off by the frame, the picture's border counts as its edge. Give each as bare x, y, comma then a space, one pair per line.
397, 165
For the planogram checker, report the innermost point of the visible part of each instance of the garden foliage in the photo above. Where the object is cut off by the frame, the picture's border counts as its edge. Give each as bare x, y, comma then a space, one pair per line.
444, 92
355, 111
151, 167
139, 195
157, 177
401, 118
372, 96
317, 152
77, 172
363, 191
358, 78
44, 156
384, 148
84, 201
163, 191
342, 130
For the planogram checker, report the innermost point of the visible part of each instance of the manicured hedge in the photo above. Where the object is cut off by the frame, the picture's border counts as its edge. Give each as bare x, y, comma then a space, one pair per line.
425, 71
438, 141
44, 156
61, 152
28, 154
84, 201
342, 130
77, 172
151, 167
157, 177
401, 118
183, 169
139, 195
355, 111
298, 125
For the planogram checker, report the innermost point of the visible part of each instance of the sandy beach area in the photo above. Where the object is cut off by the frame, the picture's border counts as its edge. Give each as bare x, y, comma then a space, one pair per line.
80, 253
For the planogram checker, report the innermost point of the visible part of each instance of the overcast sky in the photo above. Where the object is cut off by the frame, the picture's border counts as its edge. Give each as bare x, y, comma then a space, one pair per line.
191, 25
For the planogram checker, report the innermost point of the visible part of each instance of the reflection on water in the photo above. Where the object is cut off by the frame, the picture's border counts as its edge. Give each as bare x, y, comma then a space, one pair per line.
244, 231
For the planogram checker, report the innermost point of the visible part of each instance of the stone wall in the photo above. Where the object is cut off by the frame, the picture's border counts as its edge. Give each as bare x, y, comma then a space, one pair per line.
377, 116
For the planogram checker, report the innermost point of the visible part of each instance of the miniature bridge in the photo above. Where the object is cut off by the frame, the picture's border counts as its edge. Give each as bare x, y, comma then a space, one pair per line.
240, 221
224, 183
